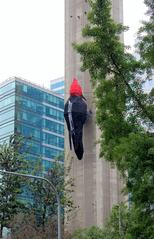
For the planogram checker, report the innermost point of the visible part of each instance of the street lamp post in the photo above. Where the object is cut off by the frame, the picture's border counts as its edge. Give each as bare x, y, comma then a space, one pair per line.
52, 187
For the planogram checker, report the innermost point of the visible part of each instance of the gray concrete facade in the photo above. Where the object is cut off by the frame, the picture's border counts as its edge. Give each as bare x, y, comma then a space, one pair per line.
97, 184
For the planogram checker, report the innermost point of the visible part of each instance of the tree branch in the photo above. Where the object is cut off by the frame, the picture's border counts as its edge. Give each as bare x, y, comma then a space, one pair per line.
144, 110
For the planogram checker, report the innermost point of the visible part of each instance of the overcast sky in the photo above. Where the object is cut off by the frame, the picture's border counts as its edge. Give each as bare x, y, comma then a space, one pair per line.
32, 37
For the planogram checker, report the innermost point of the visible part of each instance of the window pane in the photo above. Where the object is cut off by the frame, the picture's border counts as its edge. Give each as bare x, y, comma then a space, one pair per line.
29, 91
47, 165
61, 92
51, 152
7, 101
29, 132
57, 84
55, 114
32, 147
7, 88
29, 105
29, 118
8, 128
53, 140
53, 126
6, 116
54, 100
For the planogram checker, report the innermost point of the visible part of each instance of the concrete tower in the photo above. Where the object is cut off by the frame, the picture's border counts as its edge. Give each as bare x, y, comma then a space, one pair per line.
97, 184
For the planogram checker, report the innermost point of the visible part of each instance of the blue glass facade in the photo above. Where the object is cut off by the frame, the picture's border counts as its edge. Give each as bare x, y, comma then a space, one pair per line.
7, 110
57, 86
35, 113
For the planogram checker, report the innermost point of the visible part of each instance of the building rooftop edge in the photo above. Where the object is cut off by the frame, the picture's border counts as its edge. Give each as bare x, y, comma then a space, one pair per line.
22, 80
60, 79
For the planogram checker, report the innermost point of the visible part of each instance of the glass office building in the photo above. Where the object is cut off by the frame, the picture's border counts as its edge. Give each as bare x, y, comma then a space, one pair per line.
37, 114
57, 85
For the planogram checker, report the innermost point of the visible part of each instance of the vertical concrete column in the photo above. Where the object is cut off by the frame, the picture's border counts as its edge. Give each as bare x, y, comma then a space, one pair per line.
97, 186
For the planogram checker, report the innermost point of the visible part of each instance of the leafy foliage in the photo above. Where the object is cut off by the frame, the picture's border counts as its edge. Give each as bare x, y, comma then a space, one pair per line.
40, 198
24, 226
44, 202
123, 223
125, 113
11, 160
146, 36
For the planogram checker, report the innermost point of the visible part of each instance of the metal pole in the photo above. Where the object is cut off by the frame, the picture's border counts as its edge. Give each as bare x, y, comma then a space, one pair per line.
59, 219
52, 187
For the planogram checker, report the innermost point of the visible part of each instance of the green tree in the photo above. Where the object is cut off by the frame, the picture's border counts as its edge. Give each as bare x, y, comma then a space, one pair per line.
125, 113
10, 186
123, 223
88, 233
24, 226
115, 228
146, 36
127, 223
44, 202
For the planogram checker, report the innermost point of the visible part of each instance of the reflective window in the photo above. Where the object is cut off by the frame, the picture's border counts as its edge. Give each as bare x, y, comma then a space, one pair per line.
47, 165
7, 101
32, 158
5, 140
53, 126
53, 140
61, 91
29, 118
32, 147
39, 95
29, 104
57, 84
7, 116
51, 152
29, 132
29, 91
7, 129
32, 161
54, 100
7, 88
25, 88
55, 114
